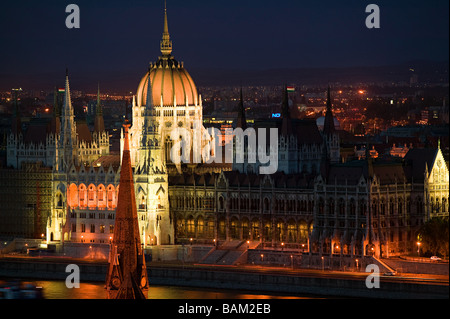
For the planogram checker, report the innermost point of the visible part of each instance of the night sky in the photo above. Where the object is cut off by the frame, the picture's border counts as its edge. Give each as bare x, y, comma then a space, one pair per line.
118, 38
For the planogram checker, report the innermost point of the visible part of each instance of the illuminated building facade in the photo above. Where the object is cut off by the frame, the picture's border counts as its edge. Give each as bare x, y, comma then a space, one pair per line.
374, 207
312, 200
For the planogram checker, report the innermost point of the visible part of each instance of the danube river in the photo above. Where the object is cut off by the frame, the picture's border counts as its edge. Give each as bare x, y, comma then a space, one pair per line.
56, 289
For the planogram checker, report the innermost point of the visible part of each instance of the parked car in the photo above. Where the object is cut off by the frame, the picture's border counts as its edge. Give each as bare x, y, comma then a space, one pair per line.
435, 258
390, 273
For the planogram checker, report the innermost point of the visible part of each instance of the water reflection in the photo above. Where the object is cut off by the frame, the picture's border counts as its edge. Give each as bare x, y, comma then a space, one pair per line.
95, 290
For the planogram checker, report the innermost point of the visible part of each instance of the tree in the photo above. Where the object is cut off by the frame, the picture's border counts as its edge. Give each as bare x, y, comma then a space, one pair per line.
434, 236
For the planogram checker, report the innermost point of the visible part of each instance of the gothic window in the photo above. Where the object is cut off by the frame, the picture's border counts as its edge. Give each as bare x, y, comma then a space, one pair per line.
382, 207
59, 201
82, 195
341, 207
352, 208
362, 208
321, 206
221, 203
91, 196
374, 208
72, 196
400, 206
191, 226
331, 206
392, 206
266, 204
200, 225
110, 196
303, 232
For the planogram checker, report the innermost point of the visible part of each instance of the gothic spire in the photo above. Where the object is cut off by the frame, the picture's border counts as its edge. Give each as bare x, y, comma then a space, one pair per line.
68, 135
99, 123
98, 107
166, 43
241, 120
328, 126
127, 273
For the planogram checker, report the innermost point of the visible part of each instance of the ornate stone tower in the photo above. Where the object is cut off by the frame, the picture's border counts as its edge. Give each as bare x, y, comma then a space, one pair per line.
127, 272
67, 146
152, 182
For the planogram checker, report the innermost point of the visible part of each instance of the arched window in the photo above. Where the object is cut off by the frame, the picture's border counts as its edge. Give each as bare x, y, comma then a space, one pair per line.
392, 206
91, 196
82, 195
190, 226
321, 206
200, 225
331, 206
400, 206
101, 202
266, 204
382, 207
111, 196
221, 203
59, 200
341, 207
72, 197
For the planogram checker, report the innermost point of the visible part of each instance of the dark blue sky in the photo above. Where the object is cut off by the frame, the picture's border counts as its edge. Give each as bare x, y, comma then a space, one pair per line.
118, 38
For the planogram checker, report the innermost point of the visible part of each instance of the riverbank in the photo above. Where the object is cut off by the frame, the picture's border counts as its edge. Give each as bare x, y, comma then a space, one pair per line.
251, 278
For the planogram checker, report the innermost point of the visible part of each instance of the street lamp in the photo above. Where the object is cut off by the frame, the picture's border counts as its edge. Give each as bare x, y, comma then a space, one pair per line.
323, 266
282, 246
292, 261
262, 257
356, 264
418, 248
248, 244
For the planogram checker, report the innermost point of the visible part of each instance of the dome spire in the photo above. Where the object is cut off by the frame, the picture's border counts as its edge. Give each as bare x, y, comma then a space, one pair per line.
166, 43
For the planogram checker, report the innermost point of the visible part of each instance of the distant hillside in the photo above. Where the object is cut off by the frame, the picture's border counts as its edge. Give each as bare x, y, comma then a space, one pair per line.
430, 72
127, 81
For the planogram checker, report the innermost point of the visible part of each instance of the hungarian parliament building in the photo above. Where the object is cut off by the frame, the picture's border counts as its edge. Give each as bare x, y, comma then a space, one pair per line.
61, 183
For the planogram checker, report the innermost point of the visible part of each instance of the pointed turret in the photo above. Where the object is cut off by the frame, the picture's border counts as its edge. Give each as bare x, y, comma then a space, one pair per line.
328, 127
68, 135
127, 272
166, 43
241, 119
99, 124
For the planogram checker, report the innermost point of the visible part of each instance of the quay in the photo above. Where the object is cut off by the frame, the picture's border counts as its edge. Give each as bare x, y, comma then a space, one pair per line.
243, 277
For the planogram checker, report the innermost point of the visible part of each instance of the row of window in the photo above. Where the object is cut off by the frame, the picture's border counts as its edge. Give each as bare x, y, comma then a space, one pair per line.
82, 228
92, 215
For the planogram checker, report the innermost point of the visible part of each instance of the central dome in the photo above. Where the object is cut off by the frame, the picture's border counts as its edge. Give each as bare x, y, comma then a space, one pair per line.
170, 82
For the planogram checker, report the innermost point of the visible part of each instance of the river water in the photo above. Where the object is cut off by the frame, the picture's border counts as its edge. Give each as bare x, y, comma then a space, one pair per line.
54, 289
